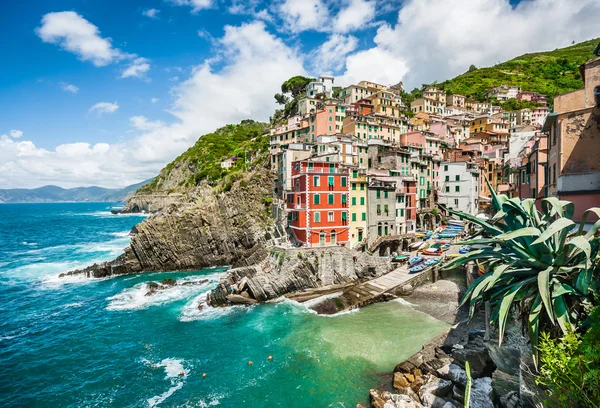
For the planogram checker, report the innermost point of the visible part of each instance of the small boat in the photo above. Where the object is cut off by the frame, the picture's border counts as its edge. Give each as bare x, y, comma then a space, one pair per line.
432, 251
432, 261
416, 245
400, 258
416, 269
445, 247
415, 260
420, 235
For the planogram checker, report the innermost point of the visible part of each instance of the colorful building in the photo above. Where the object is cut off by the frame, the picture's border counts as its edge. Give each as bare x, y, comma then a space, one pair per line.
318, 207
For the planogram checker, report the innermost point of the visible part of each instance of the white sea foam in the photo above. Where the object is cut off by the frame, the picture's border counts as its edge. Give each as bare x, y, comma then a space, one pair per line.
134, 298
29, 243
107, 214
305, 307
210, 401
173, 369
191, 312
74, 304
124, 234
403, 302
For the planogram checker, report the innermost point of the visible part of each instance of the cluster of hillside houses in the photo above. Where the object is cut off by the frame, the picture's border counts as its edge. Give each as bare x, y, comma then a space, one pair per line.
354, 167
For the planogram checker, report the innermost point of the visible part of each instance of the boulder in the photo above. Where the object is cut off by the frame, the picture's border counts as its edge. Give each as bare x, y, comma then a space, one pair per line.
436, 386
417, 384
510, 400
402, 401
376, 399
478, 358
481, 393
432, 401
240, 300
400, 381
449, 404
408, 392
453, 373
169, 282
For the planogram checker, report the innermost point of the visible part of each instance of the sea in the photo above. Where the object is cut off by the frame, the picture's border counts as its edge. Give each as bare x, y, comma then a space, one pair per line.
82, 342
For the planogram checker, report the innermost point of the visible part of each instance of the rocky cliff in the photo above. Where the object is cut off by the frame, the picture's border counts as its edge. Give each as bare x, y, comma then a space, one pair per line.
202, 214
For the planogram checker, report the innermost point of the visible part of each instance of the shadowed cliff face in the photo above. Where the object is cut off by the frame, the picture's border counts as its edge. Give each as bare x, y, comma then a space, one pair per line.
202, 228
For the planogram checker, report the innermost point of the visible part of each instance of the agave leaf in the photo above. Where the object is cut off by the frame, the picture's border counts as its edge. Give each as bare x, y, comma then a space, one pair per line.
481, 287
559, 289
592, 231
478, 221
534, 324
552, 206
582, 284
557, 226
498, 271
521, 232
581, 245
562, 314
505, 306
543, 279
475, 283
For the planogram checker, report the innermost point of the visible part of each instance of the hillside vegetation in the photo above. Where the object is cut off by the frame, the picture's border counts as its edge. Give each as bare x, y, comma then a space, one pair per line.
202, 162
550, 73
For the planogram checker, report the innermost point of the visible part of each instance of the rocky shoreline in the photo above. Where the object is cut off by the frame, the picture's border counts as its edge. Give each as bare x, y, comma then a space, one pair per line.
436, 377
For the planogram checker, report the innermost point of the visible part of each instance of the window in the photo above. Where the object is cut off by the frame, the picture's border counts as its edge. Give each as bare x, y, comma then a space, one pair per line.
379, 229
456, 202
362, 201
447, 189
402, 212
316, 181
343, 181
344, 216
378, 209
297, 185
447, 178
354, 172
386, 210
330, 181
362, 186
344, 199
353, 217
317, 217
353, 200
457, 177
422, 181
330, 216
331, 168
364, 216
353, 186
330, 199
457, 189
378, 195
316, 199
445, 167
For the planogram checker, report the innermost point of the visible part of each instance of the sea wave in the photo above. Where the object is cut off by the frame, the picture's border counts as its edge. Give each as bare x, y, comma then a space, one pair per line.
173, 372
134, 298
192, 312
305, 307
107, 214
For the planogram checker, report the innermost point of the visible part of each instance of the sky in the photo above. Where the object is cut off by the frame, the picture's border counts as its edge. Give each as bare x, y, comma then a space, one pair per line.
108, 92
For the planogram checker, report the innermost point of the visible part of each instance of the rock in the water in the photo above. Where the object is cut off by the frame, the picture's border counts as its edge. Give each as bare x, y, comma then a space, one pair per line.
478, 358
241, 300
408, 392
437, 387
169, 282
400, 381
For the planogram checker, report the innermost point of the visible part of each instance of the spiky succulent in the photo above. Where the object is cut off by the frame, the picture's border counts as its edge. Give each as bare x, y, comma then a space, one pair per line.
540, 258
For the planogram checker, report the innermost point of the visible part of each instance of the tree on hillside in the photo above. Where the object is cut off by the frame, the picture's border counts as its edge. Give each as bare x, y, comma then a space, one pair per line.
296, 85
472, 68
291, 90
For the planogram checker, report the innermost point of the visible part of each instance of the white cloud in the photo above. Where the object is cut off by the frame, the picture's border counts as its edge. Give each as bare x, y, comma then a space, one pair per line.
142, 123
438, 39
357, 15
301, 15
154, 100
77, 35
104, 107
151, 13
331, 54
15, 133
70, 88
252, 67
196, 5
375, 64
137, 69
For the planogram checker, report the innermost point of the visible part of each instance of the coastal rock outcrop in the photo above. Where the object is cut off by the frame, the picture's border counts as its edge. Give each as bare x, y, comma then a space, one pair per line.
204, 228
287, 270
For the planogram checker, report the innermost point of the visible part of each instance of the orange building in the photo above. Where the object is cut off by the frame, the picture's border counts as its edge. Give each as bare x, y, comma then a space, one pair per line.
318, 205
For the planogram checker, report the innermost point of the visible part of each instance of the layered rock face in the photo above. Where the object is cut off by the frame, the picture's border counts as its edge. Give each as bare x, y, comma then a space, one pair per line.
293, 269
203, 228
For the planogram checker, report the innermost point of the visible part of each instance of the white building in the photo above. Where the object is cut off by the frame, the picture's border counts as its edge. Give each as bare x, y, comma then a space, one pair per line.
458, 186
324, 85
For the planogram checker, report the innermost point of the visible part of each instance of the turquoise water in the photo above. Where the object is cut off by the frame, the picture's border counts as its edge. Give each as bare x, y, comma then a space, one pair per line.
97, 343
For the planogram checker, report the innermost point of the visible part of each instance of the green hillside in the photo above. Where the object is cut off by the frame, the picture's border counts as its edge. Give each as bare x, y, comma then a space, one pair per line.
202, 162
549, 73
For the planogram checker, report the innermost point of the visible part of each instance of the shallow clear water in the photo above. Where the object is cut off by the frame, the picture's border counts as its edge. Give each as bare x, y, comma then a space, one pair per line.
87, 342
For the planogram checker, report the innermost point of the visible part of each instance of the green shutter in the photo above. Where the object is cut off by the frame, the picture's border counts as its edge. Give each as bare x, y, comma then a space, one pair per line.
364, 216
353, 200
316, 199
353, 217
330, 181
331, 199
344, 216
343, 181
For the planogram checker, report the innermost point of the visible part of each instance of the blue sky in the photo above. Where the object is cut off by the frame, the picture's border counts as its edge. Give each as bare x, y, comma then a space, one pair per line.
107, 92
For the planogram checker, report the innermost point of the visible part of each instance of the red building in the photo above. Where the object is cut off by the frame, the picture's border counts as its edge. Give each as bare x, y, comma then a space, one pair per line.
318, 205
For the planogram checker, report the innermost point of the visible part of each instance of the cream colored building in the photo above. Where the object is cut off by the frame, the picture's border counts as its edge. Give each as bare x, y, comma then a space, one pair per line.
358, 206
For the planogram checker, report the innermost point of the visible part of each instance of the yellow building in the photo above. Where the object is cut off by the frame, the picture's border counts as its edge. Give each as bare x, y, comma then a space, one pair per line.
489, 124
358, 206
427, 105
421, 121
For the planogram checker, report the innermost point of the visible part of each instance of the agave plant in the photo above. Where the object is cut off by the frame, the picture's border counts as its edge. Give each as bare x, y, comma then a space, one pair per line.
541, 260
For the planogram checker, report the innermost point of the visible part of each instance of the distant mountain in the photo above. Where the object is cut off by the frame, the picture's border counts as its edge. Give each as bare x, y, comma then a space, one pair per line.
50, 194
550, 73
